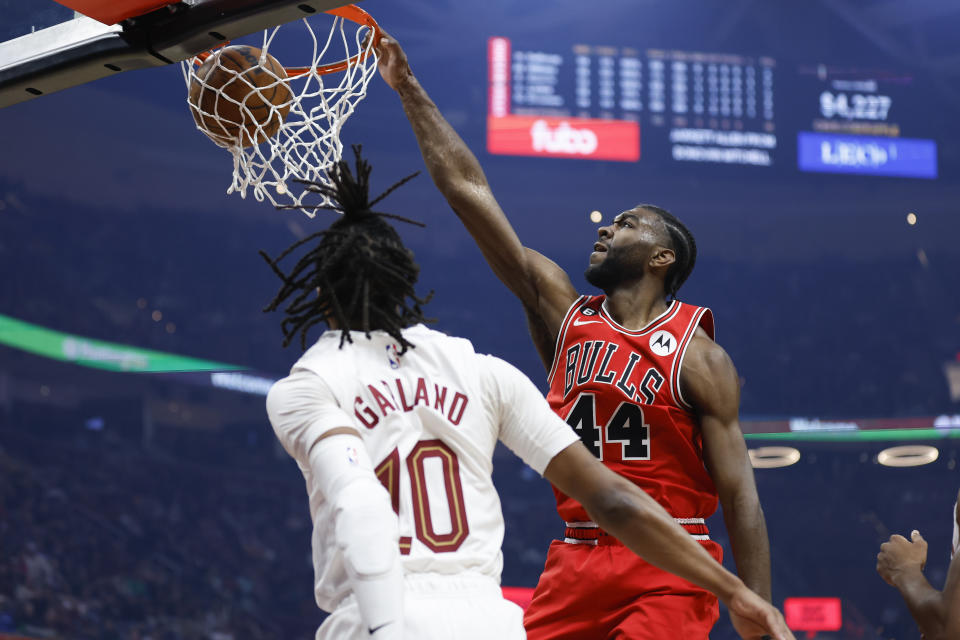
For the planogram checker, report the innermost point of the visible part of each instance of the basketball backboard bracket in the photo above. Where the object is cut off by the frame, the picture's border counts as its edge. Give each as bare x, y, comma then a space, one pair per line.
83, 50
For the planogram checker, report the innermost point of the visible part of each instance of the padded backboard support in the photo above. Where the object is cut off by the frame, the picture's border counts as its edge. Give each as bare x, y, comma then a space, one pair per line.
112, 11
83, 50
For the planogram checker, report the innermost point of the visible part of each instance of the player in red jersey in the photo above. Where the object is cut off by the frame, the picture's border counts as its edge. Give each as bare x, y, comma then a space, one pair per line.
638, 375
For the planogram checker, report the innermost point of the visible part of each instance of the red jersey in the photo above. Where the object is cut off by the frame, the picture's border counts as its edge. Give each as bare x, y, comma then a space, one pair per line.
620, 391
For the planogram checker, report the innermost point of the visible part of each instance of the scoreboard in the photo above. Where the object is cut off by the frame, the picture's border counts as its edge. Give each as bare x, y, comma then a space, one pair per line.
659, 106
856, 126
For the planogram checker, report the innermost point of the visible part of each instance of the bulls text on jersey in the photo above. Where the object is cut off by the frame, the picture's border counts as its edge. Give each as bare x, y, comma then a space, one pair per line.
588, 362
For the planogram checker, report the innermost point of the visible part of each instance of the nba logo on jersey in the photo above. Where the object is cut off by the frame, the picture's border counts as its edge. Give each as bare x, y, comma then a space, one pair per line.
663, 343
393, 356
353, 456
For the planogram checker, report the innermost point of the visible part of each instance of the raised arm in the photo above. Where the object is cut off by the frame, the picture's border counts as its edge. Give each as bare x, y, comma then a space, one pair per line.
542, 286
710, 383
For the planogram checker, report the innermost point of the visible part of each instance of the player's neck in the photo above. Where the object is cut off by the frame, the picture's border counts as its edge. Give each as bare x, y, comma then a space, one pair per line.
635, 305
333, 325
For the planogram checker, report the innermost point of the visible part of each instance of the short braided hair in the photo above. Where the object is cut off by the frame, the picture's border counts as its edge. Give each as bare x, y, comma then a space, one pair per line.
360, 273
684, 247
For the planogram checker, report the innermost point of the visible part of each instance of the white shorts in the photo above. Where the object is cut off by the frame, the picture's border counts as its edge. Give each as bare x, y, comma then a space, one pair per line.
439, 607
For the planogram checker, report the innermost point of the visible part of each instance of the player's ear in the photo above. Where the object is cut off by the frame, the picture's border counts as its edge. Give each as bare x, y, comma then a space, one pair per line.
662, 257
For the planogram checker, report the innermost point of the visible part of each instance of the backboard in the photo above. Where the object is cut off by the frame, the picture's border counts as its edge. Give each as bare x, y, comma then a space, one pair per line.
46, 46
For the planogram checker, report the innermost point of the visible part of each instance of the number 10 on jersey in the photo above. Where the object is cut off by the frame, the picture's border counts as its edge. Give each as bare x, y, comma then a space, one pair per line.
388, 472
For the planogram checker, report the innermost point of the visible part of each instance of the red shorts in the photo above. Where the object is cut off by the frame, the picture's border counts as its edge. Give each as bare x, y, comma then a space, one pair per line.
606, 592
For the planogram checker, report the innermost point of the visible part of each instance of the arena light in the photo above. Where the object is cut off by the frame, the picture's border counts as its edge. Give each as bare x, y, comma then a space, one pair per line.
908, 455
773, 457
596, 216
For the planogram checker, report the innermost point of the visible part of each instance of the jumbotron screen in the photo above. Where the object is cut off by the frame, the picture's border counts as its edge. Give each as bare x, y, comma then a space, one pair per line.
659, 106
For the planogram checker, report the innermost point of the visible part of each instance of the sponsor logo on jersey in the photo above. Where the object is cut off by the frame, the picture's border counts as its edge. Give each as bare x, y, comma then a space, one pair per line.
663, 343
580, 322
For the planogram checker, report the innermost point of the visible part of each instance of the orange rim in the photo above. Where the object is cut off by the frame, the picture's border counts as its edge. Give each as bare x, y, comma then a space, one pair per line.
349, 12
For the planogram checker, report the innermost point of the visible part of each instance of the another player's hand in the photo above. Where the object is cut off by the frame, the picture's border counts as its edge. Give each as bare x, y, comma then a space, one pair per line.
899, 556
392, 62
755, 618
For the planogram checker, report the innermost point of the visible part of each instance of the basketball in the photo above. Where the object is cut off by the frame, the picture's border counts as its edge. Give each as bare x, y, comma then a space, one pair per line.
236, 100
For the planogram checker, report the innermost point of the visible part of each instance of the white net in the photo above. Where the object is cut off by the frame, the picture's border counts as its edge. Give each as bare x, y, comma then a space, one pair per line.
282, 129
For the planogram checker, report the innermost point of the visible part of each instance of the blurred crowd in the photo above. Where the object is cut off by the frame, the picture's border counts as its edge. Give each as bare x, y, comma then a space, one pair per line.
205, 534
837, 337
104, 541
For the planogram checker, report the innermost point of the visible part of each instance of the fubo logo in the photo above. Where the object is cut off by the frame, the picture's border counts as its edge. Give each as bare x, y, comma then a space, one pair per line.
563, 138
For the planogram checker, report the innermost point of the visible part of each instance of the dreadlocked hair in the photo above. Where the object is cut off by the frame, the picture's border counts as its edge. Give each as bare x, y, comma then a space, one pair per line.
684, 247
360, 273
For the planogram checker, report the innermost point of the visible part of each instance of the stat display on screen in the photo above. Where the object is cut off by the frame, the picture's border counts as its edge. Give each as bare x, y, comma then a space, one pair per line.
860, 123
597, 102
677, 108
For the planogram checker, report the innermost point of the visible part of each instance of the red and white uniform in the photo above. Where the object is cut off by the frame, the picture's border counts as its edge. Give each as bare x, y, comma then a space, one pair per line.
620, 391
430, 420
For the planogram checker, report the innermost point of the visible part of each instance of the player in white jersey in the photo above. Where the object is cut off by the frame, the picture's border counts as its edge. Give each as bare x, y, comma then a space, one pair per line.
394, 427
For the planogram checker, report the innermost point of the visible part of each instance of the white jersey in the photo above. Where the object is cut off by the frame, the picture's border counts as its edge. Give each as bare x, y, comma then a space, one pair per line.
430, 420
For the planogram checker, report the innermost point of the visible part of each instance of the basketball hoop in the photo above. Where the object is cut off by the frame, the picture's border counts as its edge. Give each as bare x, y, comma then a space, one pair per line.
321, 96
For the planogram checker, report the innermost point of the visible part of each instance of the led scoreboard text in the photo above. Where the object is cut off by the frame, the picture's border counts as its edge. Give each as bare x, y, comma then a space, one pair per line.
858, 126
593, 102
680, 107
